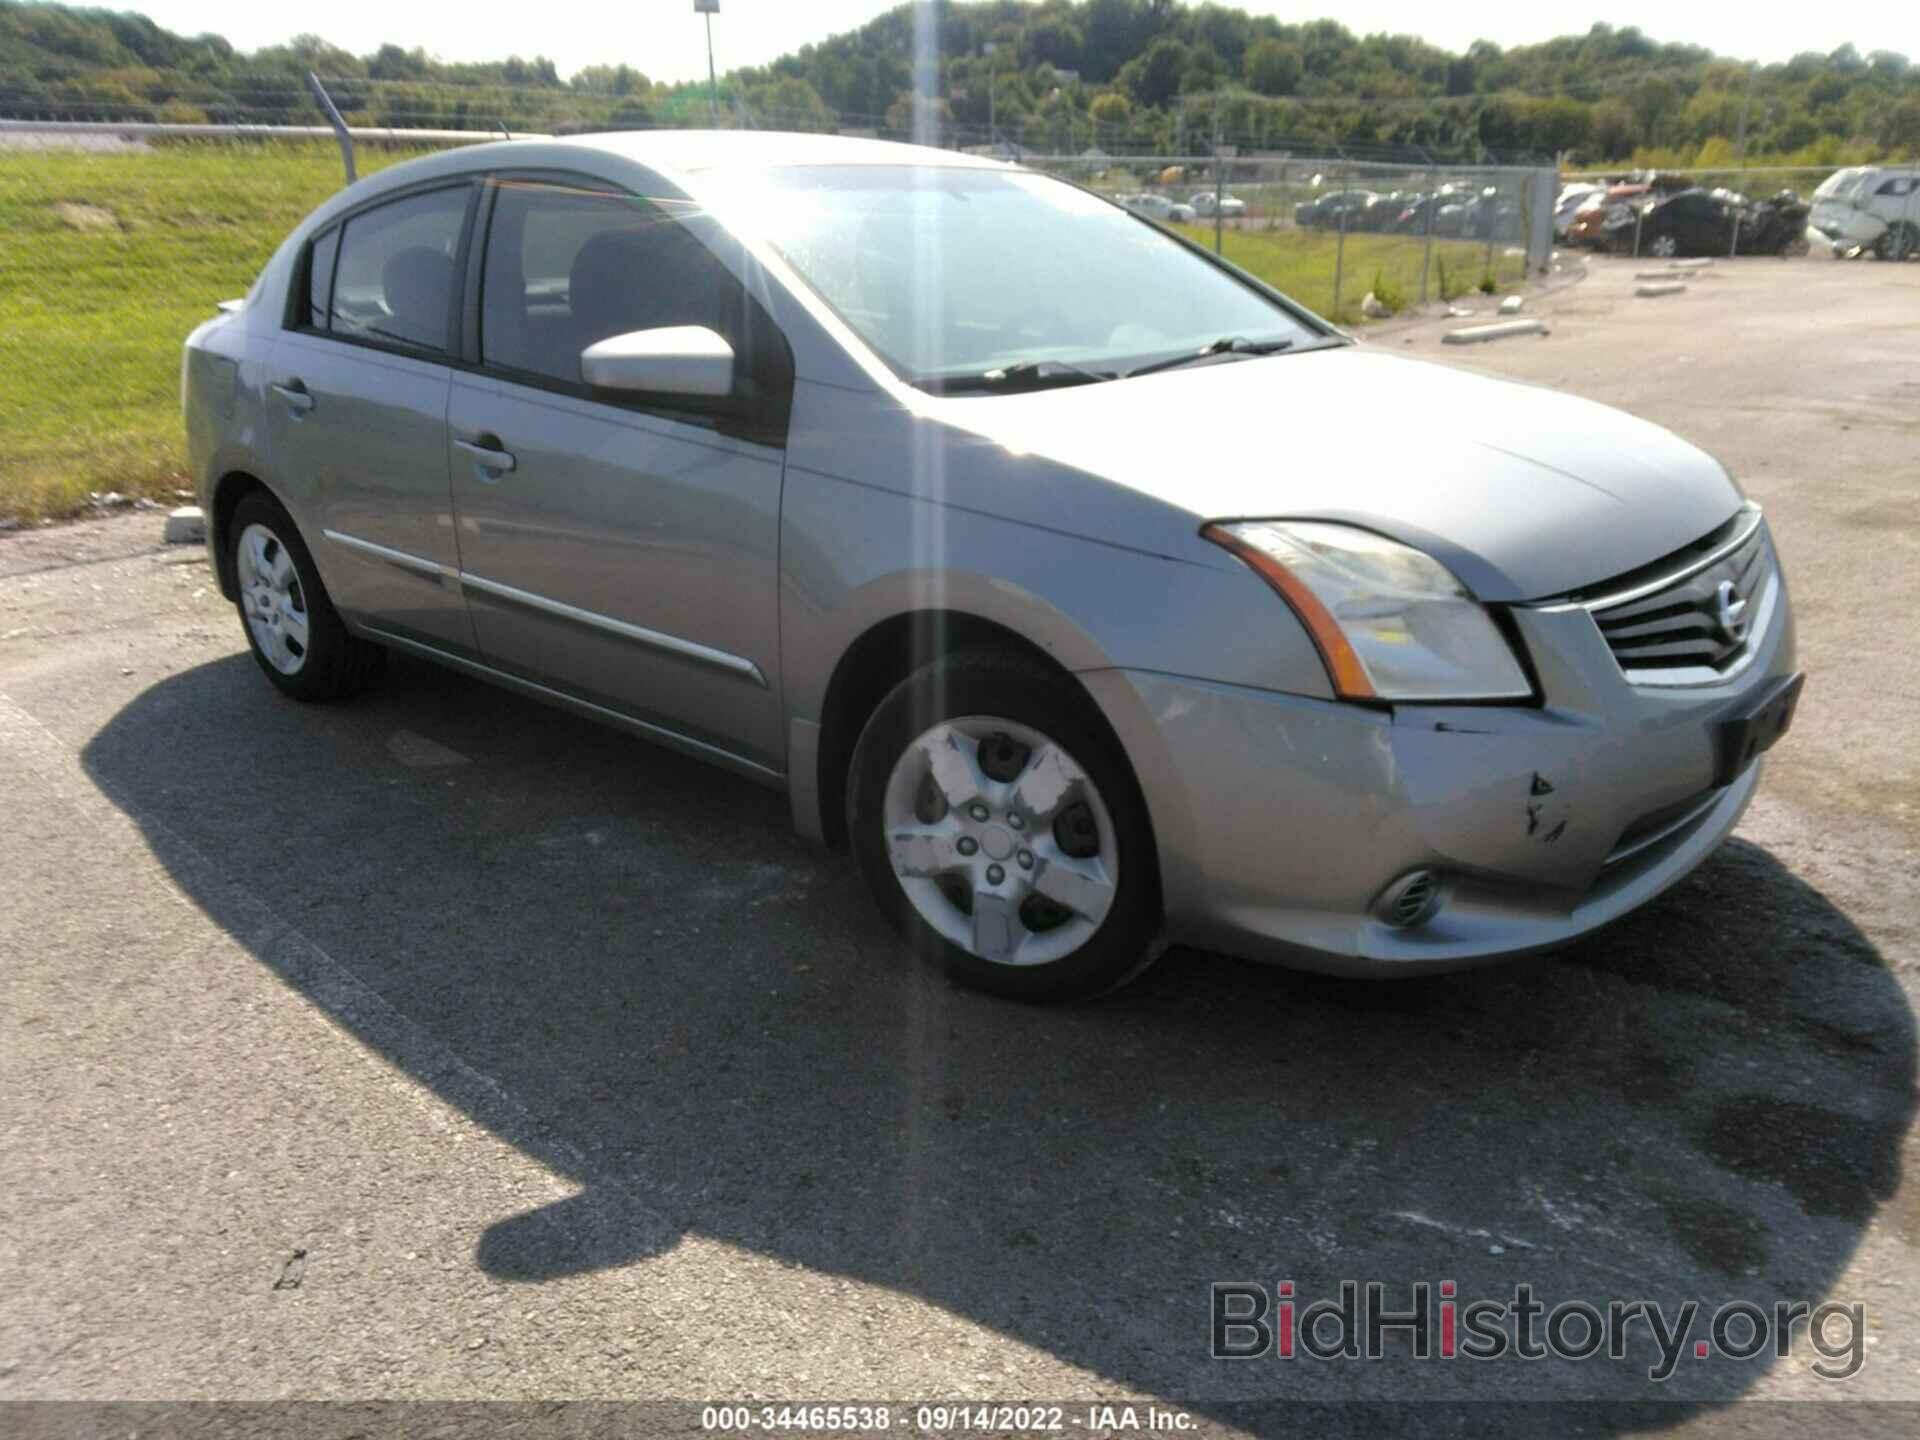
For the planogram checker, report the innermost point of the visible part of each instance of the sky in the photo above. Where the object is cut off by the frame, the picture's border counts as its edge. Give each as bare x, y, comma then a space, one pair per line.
665, 40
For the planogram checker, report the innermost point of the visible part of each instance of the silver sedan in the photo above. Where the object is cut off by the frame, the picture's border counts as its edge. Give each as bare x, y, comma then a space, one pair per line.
864, 471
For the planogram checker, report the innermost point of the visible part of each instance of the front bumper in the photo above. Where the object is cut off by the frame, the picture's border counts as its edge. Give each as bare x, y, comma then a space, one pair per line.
1281, 820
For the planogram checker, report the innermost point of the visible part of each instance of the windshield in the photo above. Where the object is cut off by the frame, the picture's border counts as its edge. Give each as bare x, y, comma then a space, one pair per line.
1839, 185
948, 273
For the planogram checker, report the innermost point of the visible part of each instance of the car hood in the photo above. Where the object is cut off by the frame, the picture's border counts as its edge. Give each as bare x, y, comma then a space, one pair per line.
1522, 492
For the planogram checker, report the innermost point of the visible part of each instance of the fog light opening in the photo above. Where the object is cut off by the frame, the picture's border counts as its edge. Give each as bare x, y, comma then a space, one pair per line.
1411, 900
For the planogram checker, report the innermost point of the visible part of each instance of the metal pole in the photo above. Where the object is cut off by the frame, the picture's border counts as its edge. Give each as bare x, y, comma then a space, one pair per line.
1340, 249
1219, 180
1433, 204
1493, 225
713, 81
1746, 104
339, 125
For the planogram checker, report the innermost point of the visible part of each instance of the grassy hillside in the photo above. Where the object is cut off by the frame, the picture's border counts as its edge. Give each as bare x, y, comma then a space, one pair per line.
106, 262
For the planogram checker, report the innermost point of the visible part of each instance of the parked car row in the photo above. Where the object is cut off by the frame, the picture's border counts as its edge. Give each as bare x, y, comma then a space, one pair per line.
1638, 218
1456, 211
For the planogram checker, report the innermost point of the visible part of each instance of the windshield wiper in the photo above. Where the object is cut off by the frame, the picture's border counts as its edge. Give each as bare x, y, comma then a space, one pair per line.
1027, 375
1225, 345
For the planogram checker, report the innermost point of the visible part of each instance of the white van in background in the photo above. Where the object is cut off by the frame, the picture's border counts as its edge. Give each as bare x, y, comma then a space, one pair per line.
1873, 207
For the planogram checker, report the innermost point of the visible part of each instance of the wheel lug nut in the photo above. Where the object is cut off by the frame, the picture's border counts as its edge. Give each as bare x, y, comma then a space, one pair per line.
968, 845
1026, 859
977, 810
995, 874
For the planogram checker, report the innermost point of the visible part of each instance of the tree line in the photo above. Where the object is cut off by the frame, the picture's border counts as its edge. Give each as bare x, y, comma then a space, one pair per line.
1123, 76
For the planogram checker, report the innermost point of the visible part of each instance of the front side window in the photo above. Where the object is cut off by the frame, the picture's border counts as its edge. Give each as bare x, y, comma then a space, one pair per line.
394, 282
568, 266
951, 272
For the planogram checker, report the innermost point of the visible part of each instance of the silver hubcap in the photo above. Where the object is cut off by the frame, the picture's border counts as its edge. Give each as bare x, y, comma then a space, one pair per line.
1664, 245
1001, 841
273, 599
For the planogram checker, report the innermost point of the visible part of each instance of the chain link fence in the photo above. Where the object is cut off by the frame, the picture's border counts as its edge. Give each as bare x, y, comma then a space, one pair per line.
1333, 232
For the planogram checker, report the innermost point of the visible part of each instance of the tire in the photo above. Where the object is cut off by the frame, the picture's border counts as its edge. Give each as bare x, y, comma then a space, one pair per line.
296, 635
1897, 242
1064, 821
1663, 247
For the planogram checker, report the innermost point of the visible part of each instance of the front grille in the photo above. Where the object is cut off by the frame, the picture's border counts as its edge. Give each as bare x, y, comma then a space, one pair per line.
1695, 624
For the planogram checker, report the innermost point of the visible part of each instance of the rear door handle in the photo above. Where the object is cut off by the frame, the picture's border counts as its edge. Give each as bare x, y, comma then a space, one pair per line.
299, 399
488, 454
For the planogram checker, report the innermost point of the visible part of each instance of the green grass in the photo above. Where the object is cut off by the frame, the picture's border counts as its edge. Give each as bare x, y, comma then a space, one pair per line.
1301, 263
106, 262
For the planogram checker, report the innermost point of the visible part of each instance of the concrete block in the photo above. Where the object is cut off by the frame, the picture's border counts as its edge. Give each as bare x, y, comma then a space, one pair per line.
1666, 287
186, 526
1478, 334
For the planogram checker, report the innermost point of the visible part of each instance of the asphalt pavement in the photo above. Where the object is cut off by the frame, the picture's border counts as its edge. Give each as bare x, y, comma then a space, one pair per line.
440, 1045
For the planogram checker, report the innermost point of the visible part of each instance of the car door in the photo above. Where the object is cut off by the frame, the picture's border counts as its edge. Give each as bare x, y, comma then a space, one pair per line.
621, 548
1704, 225
358, 411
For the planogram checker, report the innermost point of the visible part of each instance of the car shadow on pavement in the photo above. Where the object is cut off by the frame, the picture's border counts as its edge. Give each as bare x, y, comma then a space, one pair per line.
625, 963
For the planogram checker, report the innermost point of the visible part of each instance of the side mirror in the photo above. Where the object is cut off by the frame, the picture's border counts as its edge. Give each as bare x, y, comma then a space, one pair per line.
672, 360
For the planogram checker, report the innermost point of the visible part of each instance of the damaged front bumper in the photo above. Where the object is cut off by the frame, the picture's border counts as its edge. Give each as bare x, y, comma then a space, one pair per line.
1287, 826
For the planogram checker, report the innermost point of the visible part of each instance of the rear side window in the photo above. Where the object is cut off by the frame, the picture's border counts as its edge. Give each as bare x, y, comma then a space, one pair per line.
1896, 186
567, 266
326, 250
394, 282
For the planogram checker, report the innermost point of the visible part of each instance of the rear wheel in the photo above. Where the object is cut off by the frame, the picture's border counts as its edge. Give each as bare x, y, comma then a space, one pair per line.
292, 628
999, 827
1663, 246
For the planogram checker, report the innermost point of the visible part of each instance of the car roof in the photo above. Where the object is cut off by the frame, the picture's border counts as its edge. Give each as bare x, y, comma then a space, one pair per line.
674, 154
689, 152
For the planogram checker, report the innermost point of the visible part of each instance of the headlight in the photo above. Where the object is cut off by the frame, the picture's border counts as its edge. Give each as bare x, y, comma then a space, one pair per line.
1390, 622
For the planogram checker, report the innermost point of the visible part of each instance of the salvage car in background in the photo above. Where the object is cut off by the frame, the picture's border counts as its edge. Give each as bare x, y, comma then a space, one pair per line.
1690, 222
1159, 207
1325, 212
1589, 227
1869, 208
1444, 211
822, 460
1574, 198
1232, 207
1702, 222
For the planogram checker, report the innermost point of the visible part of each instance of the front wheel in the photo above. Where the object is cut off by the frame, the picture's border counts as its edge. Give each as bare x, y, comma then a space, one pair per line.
1664, 247
1000, 828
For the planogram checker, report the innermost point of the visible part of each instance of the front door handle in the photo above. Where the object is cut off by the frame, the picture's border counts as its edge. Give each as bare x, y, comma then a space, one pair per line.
488, 453
299, 399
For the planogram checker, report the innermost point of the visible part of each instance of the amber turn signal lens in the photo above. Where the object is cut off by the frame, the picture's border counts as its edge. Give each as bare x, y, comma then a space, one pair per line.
1349, 676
